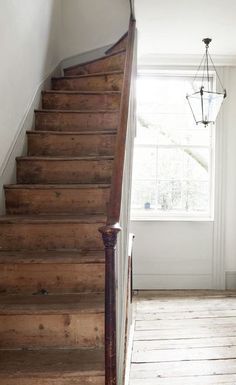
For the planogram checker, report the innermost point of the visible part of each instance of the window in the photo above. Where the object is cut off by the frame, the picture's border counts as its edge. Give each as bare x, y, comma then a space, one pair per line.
173, 158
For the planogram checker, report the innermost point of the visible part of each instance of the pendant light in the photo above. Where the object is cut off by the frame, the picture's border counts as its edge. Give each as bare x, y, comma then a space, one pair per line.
204, 103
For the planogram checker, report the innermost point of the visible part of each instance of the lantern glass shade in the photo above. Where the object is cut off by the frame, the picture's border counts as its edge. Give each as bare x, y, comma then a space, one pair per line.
205, 105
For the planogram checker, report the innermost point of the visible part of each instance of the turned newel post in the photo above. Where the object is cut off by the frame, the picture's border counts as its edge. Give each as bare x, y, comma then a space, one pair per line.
109, 236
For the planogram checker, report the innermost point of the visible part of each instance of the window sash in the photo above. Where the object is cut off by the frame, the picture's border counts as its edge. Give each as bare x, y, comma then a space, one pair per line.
173, 214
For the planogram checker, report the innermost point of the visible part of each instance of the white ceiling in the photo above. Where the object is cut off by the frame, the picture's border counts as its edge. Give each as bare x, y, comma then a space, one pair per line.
177, 27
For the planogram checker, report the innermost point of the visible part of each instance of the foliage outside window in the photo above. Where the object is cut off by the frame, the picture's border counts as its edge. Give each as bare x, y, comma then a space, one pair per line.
173, 158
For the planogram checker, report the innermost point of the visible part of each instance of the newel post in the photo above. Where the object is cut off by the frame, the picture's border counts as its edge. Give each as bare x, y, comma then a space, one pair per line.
109, 236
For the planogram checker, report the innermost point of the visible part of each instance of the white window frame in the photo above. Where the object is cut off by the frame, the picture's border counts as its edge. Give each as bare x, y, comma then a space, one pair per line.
167, 216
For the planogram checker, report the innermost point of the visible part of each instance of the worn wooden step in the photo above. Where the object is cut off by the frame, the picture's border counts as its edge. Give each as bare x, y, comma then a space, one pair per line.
50, 232
72, 100
51, 271
57, 199
107, 81
119, 45
111, 62
39, 321
52, 367
51, 143
64, 170
68, 120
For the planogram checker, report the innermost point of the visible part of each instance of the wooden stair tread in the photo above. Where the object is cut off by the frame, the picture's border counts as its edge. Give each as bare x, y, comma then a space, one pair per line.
89, 132
95, 60
65, 158
8, 219
51, 362
48, 256
105, 73
52, 304
58, 186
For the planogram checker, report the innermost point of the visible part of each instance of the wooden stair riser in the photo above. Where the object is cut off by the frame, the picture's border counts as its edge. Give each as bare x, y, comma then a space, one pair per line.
107, 82
52, 367
30, 278
64, 171
50, 236
53, 144
48, 380
76, 101
75, 121
114, 62
51, 330
56, 200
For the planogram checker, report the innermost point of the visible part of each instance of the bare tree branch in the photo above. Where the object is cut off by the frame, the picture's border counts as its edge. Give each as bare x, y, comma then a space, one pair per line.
192, 153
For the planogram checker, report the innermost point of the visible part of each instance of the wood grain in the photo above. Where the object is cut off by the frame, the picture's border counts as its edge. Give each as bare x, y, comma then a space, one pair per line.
66, 120
184, 338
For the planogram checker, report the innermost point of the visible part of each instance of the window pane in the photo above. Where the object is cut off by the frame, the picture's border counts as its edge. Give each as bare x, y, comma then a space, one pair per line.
196, 196
144, 195
145, 163
170, 163
169, 195
196, 163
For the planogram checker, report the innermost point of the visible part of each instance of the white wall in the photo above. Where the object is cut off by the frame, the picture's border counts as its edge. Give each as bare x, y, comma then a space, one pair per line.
89, 24
30, 50
230, 170
196, 255
172, 254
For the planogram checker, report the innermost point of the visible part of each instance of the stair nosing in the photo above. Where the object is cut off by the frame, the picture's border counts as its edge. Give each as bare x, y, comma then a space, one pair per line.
89, 132
92, 111
52, 257
61, 92
57, 186
64, 158
95, 74
63, 218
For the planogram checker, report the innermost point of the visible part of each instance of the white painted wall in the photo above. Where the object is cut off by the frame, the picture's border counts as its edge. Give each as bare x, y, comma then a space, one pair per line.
30, 50
230, 170
89, 24
196, 255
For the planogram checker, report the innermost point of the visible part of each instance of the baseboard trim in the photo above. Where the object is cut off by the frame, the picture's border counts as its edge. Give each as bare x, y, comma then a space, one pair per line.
84, 57
230, 280
19, 145
169, 282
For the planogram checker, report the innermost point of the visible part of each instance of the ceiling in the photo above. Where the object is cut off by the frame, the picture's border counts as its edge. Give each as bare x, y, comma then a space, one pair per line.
177, 27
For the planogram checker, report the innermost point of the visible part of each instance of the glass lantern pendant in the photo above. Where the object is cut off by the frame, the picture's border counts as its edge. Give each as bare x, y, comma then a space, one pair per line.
204, 103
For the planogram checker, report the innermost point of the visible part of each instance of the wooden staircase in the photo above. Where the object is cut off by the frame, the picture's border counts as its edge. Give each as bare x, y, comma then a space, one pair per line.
51, 253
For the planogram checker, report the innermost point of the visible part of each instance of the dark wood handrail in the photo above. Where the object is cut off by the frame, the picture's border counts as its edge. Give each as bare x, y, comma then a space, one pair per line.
117, 176
112, 228
131, 3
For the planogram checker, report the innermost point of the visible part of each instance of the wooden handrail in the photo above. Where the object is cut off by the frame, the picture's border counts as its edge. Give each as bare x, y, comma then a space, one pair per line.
131, 3
117, 176
112, 228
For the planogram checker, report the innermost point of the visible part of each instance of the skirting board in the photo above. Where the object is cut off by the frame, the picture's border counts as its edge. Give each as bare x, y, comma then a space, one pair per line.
84, 57
19, 145
165, 282
230, 280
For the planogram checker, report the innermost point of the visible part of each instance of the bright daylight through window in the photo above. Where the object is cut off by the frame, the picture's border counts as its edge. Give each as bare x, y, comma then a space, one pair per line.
173, 157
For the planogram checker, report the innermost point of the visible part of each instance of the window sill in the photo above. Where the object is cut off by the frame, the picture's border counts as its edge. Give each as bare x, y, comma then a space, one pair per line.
171, 219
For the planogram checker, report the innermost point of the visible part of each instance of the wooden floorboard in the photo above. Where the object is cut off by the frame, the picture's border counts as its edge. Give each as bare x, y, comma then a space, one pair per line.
184, 337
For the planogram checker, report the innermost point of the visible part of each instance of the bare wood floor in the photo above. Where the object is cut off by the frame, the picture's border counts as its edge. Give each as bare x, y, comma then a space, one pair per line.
184, 338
